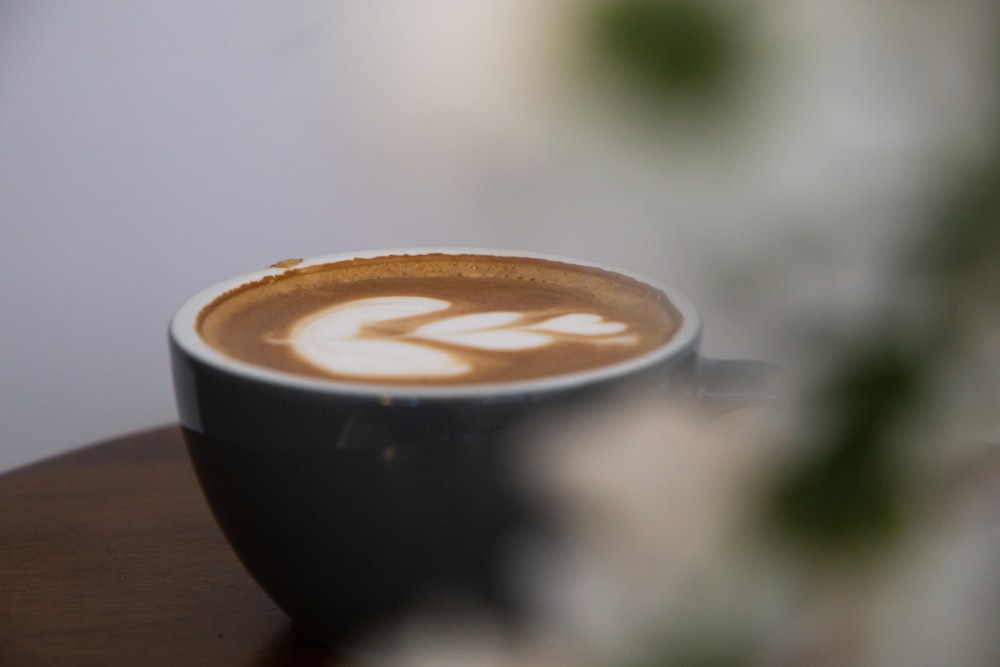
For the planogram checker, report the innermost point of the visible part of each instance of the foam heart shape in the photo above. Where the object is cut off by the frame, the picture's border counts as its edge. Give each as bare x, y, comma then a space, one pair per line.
335, 338
331, 339
581, 324
485, 331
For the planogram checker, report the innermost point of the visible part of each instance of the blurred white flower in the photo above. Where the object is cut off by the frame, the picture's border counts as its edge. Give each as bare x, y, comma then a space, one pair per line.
655, 500
429, 639
424, 640
660, 508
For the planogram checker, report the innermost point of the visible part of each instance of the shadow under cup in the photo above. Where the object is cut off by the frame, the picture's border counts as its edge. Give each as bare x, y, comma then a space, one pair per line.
351, 504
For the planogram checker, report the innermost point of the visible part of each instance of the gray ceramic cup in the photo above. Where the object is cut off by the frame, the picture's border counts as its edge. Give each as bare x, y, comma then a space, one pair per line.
351, 503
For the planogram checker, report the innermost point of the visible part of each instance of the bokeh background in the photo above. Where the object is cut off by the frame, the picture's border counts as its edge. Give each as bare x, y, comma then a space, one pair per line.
822, 177
772, 160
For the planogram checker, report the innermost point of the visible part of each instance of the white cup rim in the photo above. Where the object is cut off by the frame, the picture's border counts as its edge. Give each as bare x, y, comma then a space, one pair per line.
183, 332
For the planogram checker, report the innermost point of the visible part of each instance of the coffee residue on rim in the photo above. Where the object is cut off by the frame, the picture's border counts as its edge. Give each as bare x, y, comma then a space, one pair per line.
287, 263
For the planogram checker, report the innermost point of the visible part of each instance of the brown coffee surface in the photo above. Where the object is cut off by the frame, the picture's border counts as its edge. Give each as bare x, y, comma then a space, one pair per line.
439, 319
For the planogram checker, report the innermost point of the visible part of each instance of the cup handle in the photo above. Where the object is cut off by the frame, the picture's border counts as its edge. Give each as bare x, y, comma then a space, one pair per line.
733, 383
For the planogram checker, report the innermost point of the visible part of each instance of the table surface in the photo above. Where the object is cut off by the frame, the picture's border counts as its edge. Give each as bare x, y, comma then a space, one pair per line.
109, 555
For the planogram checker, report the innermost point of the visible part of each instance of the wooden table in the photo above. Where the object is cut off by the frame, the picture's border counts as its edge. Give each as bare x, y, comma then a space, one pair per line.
110, 556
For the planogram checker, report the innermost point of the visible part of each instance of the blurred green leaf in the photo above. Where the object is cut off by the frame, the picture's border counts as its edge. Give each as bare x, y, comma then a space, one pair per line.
964, 231
850, 497
845, 503
870, 390
669, 48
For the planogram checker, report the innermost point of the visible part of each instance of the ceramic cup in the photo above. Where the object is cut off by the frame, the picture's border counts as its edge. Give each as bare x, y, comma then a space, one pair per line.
351, 503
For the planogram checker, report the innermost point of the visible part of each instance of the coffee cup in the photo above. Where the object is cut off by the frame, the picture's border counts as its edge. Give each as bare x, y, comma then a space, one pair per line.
355, 420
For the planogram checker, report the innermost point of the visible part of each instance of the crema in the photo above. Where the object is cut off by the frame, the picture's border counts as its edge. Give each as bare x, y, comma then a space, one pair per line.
434, 319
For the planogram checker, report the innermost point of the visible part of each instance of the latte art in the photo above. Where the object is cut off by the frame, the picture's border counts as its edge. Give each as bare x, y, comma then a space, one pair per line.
438, 319
347, 339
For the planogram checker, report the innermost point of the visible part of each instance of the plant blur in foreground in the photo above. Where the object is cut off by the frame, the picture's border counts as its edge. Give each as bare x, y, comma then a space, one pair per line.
860, 523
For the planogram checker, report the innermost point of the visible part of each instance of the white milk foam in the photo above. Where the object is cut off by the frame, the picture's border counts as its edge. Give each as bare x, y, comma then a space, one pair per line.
336, 338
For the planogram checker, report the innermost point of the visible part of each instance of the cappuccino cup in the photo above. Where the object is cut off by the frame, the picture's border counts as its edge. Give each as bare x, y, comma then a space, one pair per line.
355, 420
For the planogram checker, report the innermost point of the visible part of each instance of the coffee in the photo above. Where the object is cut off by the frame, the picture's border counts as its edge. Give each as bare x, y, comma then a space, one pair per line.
439, 319
398, 486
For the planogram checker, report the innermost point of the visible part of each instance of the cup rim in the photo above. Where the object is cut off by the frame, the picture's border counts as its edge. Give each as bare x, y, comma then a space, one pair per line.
184, 334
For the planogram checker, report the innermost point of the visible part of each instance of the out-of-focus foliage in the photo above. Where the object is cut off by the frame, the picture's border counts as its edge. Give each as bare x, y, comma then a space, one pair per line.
963, 233
842, 540
849, 497
851, 492
854, 492
671, 50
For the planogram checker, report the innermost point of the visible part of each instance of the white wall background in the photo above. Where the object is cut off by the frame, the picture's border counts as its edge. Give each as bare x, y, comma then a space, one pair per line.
150, 149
